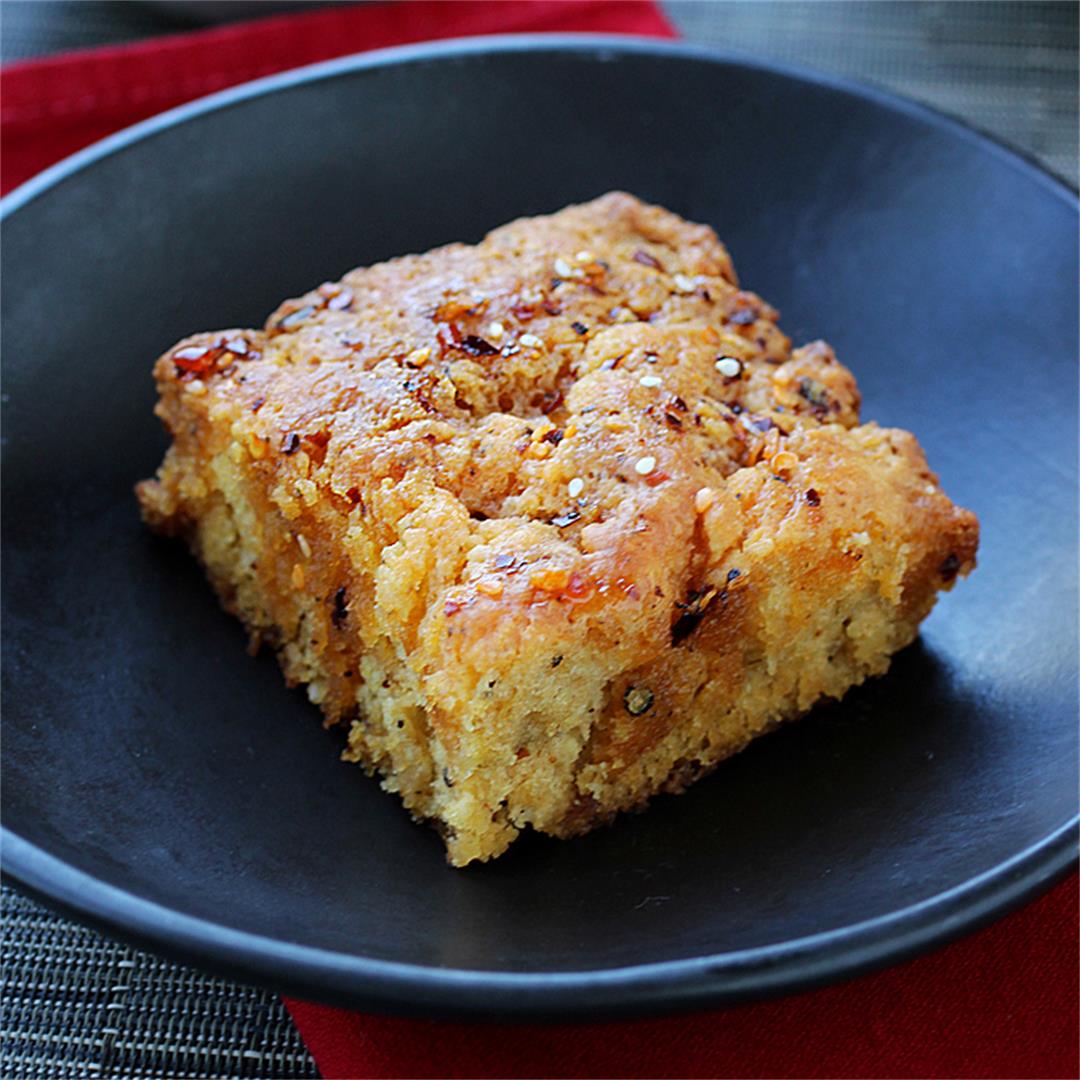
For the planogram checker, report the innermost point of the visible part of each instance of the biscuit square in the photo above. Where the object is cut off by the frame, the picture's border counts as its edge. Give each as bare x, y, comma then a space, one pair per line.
551, 523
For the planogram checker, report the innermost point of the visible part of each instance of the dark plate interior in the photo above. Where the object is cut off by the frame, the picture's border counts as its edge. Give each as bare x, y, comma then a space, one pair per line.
157, 780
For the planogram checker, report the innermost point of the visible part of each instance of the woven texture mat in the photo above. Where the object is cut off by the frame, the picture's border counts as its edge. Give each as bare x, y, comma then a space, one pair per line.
75, 1004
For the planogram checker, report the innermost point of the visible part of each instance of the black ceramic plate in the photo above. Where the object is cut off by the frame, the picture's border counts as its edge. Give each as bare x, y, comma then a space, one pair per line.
159, 782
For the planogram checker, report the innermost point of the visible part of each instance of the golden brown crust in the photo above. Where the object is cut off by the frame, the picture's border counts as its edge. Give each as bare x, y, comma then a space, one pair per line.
561, 519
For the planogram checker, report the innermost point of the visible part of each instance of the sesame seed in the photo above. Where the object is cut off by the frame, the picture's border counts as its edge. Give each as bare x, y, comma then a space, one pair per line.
645, 465
563, 268
305, 547
530, 341
684, 284
575, 487
704, 498
729, 366
584, 257
495, 330
196, 387
650, 380
638, 700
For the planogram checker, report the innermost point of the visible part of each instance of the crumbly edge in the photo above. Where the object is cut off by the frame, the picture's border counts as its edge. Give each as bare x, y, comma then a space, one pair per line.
558, 740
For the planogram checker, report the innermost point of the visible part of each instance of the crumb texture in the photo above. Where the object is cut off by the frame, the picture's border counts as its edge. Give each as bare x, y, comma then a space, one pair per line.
552, 523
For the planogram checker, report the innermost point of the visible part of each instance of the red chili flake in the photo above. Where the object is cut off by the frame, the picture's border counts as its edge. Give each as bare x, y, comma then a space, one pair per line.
523, 312
195, 361
673, 420
319, 438
448, 336
295, 318
353, 495
579, 328
566, 519
523, 751
341, 611
556, 661
477, 346
646, 259
656, 478
552, 307
949, 567
554, 436
679, 403
580, 587
742, 317
452, 607
812, 497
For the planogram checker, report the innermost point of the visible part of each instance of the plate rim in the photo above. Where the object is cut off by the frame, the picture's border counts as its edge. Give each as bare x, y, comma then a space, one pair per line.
667, 986
388, 986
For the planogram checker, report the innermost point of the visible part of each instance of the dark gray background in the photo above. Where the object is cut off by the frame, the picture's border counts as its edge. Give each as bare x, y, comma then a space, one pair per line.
77, 1004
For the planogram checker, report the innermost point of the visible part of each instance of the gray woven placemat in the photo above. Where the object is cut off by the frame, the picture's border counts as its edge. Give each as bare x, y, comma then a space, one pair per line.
75, 1004
1008, 68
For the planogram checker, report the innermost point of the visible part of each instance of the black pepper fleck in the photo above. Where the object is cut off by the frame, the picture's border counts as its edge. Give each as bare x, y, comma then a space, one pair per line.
477, 346
949, 567
341, 611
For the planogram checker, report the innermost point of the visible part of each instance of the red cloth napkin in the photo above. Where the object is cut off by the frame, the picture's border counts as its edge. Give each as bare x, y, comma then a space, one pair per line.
52, 107
1002, 1003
